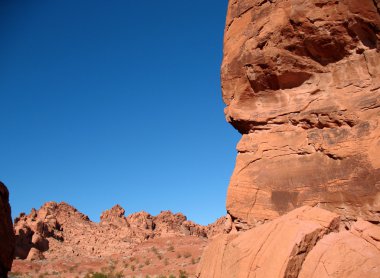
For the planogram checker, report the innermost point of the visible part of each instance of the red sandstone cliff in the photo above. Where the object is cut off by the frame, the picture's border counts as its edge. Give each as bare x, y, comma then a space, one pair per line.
301, 81
7, 237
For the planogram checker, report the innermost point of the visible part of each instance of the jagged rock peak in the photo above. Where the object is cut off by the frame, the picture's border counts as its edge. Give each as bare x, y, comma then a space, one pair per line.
115, 214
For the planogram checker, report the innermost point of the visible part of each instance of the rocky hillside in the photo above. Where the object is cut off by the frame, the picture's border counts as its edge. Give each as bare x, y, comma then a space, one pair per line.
301, 81
7, 237
58, 230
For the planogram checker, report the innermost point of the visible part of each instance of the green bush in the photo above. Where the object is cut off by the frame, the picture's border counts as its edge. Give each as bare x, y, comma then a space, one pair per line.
99, 275
183, 274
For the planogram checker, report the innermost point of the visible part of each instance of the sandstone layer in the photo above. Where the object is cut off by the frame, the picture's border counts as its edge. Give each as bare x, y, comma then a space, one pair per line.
301, 81
307, 242
7, 237
58, 229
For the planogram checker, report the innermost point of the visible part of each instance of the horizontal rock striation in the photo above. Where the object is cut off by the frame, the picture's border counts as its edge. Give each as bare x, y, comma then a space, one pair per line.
301, 81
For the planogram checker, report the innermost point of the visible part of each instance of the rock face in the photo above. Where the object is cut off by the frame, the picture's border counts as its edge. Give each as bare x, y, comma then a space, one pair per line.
58, 229
301, 81
7, 237
307, 242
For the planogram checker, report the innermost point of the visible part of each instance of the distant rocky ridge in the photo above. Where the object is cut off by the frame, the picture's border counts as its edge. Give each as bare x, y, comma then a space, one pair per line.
301, 81
58, 229
7, 237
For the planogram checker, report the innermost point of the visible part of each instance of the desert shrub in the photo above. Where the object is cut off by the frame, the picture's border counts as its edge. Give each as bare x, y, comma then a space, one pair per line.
111, 267
172, 276
117, 275
183, 274
99, 275
147, 262
166, 261
133, 267
171, 248
14, 274
187, 255
179, 255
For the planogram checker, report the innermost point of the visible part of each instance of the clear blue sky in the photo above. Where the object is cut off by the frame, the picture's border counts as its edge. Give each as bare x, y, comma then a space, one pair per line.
106, 102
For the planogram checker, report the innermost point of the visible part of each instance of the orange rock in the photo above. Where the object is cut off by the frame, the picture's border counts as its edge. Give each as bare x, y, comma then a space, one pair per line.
274, 249
354, 253
301, 81
115, 215
304, 243
7, 237
35, 254
57, 230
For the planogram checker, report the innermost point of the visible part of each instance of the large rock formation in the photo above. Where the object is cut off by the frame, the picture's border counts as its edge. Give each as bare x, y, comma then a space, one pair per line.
7, 237
301, 81
58, 229
307, 242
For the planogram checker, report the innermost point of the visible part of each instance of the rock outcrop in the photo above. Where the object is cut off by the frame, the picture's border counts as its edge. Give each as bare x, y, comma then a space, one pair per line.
307, 242
58, 229
7, 237
301, 81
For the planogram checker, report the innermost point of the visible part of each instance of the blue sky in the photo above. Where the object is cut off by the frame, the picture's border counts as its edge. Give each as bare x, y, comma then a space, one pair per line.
114, 102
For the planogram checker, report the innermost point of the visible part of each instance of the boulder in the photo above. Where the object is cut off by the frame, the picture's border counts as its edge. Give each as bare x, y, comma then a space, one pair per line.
306, 242
354, 253
35, 255
274, 249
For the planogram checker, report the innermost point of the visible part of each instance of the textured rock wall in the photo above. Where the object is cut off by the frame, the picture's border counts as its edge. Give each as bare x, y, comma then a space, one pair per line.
7, 237
307, 242
301, 81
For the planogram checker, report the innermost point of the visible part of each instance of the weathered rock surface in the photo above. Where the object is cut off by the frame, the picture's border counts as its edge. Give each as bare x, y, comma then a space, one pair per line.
7, 237
354, 253
301, 81
58, 229
306, 242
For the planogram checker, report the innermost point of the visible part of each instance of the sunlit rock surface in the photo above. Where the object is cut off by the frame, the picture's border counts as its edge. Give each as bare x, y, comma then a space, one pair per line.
301, 81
